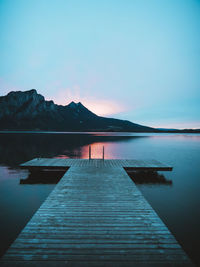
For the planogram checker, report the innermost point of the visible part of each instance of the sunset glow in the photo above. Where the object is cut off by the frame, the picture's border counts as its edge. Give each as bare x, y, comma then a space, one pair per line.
101, 107
96, 151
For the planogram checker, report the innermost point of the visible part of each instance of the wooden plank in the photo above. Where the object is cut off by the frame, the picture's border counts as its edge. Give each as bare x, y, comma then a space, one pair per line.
95, 215
129, 165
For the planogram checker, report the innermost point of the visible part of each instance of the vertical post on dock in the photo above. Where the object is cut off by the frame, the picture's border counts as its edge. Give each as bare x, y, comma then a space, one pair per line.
103, 152
89, 152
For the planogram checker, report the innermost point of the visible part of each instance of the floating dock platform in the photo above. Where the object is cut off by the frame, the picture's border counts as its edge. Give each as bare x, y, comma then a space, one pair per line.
130, 164
95, 216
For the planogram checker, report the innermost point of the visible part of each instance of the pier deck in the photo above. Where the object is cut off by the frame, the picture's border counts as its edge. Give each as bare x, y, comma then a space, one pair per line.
131, 164
95, 216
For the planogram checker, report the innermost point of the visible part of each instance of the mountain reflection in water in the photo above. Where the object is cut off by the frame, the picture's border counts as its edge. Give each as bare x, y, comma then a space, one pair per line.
29, 146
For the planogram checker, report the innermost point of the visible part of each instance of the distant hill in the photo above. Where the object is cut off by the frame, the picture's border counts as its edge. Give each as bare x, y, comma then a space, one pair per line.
165, 130
29, 110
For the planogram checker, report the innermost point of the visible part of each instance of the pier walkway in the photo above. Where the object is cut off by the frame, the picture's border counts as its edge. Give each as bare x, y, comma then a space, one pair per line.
95, 216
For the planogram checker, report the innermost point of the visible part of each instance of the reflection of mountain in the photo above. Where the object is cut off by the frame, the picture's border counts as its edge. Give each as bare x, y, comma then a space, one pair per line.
149, 177
30, 111
18, 148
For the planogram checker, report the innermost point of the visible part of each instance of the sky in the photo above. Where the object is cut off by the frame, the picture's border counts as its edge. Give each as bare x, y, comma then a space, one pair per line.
130, 59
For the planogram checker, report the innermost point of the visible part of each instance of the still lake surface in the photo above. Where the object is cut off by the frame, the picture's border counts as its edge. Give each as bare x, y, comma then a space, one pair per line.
176, 197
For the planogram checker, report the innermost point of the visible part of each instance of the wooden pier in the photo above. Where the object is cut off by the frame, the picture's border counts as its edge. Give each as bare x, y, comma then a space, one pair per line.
130, 164
95, 216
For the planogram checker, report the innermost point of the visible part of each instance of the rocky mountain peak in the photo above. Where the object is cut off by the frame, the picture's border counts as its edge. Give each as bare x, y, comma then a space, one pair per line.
29, 110
19, 96
72, 105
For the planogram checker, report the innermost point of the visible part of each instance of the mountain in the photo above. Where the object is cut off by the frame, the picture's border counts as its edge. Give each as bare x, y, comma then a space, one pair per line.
29, 110
166, 130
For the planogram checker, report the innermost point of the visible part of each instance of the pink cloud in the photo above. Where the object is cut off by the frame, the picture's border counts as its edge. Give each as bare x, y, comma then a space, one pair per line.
101, 107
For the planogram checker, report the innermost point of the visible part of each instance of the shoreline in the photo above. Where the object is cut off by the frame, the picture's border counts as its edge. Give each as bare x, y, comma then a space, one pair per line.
96, 132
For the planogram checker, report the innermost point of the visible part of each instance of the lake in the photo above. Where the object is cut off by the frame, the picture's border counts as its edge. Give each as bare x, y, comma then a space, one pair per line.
173, 195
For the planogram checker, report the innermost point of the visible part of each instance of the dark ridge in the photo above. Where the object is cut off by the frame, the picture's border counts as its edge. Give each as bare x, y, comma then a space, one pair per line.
29, 110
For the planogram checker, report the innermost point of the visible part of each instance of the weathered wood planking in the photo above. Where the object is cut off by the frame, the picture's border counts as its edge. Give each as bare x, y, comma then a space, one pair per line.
130, 164
95, 216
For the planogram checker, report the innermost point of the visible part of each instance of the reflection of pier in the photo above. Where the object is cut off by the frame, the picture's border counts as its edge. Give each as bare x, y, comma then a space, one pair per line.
43, 177
95, 216
148, 177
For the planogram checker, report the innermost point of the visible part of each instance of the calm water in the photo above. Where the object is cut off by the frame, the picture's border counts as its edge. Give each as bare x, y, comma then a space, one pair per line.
175, 198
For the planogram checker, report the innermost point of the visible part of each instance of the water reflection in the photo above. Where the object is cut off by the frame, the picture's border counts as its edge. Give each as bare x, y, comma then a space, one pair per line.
43, 177
29, 146
54, 176
177, 205
149, 177
97, 151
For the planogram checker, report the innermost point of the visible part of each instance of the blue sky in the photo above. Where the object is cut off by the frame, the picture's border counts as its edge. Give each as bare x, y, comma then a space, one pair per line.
130, 59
